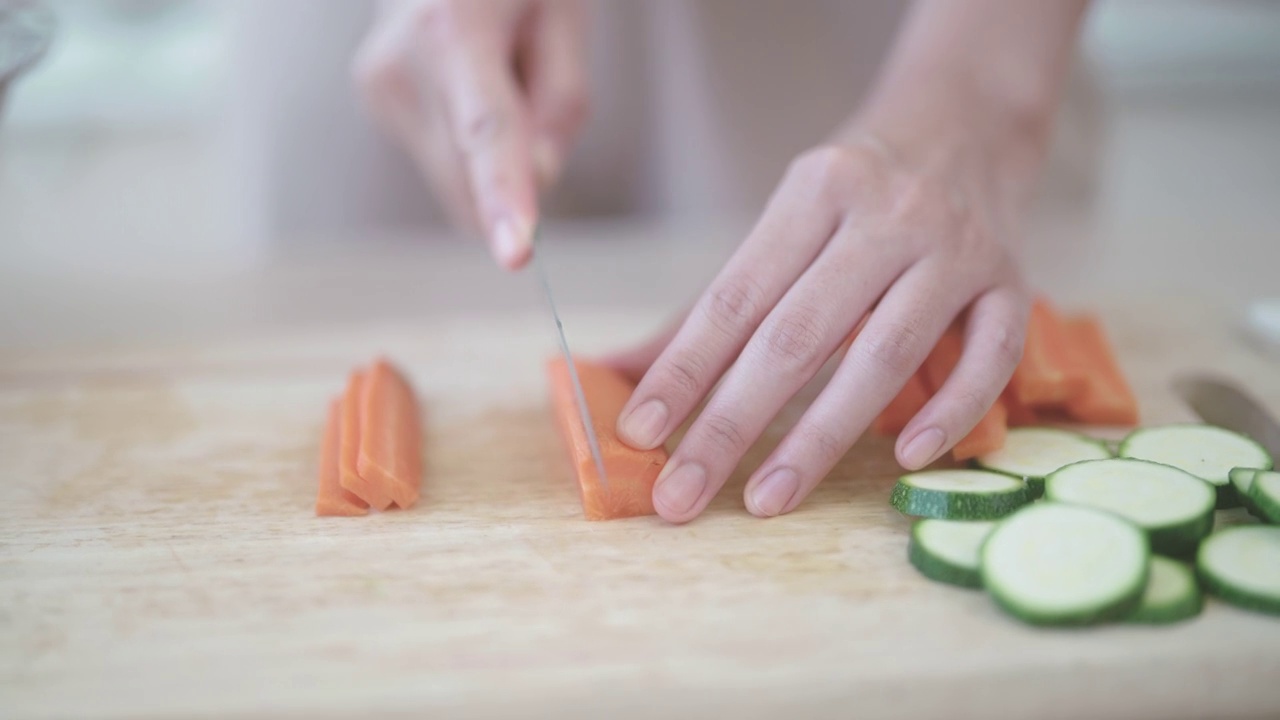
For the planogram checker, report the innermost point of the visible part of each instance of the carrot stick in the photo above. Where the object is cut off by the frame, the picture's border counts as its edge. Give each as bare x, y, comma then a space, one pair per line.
390, 456
910, 399
630, 473
1107, 398
1019, 415
1046, 376
349, 448
331, 498
989, 434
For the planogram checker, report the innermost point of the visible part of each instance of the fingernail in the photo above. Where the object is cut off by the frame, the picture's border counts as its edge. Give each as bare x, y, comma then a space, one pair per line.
642, 426
510, 242
545, 160
773, 493
923, 447
680, 490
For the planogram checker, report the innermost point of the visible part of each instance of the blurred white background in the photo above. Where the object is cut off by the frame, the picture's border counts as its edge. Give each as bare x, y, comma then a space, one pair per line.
130, 148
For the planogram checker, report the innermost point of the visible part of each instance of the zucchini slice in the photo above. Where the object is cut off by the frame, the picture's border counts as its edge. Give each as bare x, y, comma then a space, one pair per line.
1264, 494
1058, 564
1171, 595
1242, 479
1241, 565
947, 550
1206, 451
1172, 506
1031, 453
958, 494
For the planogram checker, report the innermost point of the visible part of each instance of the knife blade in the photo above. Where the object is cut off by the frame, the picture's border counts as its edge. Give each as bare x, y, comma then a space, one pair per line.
587, 424
1222, 403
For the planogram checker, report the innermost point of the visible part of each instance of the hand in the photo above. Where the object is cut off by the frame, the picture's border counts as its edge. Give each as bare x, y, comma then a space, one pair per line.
487, 97
915, 235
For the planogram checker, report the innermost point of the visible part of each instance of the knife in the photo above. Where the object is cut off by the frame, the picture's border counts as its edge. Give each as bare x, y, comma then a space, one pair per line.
587, 424
1222, 403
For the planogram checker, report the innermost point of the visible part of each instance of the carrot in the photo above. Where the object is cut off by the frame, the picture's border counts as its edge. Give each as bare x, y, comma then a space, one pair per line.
630, 473
331, 498
1019, 415
989, 434
390, 457
910, 399
349, 447
1107, 398
1046, 376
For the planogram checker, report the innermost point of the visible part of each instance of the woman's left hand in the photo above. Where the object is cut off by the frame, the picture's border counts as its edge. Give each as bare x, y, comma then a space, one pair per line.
914, 233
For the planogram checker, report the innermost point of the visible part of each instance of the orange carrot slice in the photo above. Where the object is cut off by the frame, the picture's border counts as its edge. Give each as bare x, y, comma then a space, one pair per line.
630, 473
989, 434
349, 448
1107, 398
390, 456
1019, 415
331, 498
1046, 376
910, 399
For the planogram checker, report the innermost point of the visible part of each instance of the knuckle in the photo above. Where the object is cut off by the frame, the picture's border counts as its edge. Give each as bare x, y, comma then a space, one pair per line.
684, 374
826, 166
482, 126
794, 341
824, 444
971, 405
735, 304
724, 434
894, 349
1007, 342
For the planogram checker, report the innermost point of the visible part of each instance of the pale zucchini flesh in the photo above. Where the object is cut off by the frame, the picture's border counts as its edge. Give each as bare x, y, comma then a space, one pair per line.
1241, 565
1172, 506
1058, 564
948, 550
1264, 494
1242, 480
958, 494
1171, 594
1032, 453
1206, 451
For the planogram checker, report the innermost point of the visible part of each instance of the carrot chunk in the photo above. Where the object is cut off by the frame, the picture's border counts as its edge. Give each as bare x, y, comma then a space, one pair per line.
910, 399
331, 498
390, 457
630, 473
1107, 398
1047, 375
349, 447
1019, 415
989, 434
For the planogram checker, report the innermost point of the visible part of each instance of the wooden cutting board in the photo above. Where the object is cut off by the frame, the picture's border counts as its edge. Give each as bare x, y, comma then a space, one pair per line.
159, 556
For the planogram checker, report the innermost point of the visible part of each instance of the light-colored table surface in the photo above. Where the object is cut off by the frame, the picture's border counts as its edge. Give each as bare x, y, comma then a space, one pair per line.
159, 556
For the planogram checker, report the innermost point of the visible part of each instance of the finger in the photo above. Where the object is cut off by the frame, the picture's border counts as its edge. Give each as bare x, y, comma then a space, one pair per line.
895, 340
994, 335
792, 344
634, 362
556, 84
490, 128
797, 222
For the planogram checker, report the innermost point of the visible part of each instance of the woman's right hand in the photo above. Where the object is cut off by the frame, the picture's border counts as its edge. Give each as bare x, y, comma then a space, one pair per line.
486, 96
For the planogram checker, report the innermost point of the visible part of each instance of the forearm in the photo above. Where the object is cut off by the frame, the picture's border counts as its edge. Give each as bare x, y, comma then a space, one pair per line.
986, 73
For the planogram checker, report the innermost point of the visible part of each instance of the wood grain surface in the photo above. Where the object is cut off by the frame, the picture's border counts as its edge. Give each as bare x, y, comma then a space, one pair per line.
159, 557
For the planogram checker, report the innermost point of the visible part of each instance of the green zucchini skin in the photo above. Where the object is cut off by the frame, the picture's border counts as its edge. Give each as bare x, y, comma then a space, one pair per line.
1223, 587
1264, 497
1186, 606
939, 568
1242, 479
945, 505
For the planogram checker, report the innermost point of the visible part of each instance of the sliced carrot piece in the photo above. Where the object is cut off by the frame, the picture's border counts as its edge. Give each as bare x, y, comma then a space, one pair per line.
1019, 415
1047, 374
349, 448
331, 498
989, 434
390, 456
630, 473
1107, 398
910, 399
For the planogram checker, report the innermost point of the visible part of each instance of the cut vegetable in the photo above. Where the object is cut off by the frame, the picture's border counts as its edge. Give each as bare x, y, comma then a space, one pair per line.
349, 448
1033, 453
989, 433
901, 409
958, 494
1047, 374
1206, 451
1019, 415
390, 456
948, 550
1106, 398
630, 473
1241, 565
1055, 564
1265, 495
1171, 595
1173, 507
1242, 480
331, 498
